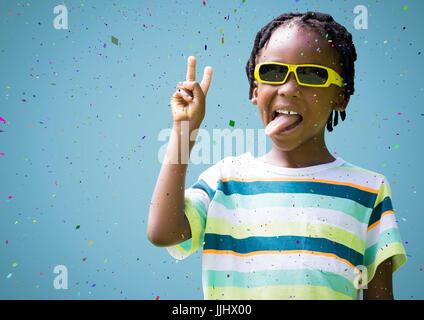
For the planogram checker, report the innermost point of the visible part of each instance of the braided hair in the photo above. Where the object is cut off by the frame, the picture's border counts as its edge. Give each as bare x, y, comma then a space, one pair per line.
337, 35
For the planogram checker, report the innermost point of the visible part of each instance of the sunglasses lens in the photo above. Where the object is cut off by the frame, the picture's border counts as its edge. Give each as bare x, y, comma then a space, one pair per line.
312, 75
273, 72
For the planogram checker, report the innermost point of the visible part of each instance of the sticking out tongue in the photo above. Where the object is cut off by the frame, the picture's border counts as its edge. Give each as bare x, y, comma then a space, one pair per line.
281, 122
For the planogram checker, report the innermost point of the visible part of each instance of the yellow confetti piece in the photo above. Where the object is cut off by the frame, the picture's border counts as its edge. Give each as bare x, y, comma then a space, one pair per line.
90, 243
222, 40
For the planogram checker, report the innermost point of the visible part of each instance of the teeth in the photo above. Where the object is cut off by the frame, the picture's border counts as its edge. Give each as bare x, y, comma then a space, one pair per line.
286, 112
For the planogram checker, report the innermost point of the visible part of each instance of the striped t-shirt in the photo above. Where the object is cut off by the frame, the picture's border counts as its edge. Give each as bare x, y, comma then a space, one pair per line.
271, 232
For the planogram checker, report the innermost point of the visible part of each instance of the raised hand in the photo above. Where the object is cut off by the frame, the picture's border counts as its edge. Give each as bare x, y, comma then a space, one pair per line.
188, 101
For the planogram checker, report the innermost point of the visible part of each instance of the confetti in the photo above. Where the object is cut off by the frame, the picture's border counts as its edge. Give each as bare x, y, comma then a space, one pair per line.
77, 226
232, 122
115, 40
9, 276
14, 264
90, 243
405, 7
3, 120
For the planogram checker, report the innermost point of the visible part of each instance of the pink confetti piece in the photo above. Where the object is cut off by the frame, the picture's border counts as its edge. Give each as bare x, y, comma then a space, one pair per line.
2, 153
3, 120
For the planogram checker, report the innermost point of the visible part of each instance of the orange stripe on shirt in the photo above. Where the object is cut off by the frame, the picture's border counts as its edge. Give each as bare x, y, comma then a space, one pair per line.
378, 222
231, 252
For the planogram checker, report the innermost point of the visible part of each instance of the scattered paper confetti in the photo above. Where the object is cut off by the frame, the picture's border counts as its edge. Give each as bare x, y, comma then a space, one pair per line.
77, 226
115, 40
232, 122
3, 120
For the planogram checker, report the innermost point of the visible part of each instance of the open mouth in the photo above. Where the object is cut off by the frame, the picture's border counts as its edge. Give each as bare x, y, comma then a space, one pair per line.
283, 122
297, 118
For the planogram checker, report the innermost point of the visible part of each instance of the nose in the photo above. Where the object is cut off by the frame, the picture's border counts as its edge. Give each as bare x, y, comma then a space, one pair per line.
290, 87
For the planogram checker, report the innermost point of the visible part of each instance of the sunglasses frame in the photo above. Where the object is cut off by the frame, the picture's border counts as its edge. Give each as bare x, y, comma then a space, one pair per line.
333, 76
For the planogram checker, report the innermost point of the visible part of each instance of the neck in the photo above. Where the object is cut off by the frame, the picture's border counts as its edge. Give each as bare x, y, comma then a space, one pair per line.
312, 152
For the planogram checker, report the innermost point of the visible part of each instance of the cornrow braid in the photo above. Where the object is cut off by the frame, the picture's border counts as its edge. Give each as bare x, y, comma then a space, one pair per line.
340, 39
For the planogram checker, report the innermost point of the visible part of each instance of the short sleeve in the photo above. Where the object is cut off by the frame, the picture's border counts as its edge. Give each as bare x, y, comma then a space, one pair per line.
196, 204
383, 236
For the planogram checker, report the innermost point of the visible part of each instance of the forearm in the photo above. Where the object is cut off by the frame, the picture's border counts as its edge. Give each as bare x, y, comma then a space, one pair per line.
381, 286
167, 223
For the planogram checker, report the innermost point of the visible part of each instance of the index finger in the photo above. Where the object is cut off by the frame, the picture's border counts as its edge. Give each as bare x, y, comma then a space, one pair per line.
191, 68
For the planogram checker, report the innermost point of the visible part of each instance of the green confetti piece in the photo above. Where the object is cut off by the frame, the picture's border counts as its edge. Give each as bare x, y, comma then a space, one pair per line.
396, 146
115, 40
77, 226
14, 264
232, 123
405, 7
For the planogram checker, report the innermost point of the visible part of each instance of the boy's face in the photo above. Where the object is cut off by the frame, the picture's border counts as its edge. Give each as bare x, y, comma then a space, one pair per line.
297, 45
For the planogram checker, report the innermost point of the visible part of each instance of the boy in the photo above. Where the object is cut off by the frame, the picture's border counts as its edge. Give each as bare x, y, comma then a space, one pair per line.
296, 223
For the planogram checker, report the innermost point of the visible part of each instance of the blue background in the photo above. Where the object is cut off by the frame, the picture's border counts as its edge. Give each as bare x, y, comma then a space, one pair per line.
83, 116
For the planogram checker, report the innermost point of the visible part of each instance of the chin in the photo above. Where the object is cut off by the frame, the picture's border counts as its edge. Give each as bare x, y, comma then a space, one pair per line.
287, 145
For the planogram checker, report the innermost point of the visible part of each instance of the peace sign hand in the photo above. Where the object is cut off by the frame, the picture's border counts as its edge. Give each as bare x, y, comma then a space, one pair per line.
188, 101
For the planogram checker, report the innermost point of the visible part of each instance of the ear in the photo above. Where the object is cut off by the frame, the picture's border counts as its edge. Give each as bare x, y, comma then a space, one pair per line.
254, 99
342, 102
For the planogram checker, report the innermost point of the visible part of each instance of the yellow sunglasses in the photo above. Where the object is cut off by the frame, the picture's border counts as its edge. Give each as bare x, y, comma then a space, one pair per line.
309, 75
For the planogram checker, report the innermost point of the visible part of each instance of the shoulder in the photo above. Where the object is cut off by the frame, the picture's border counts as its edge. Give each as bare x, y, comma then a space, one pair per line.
361, 175
226, 167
